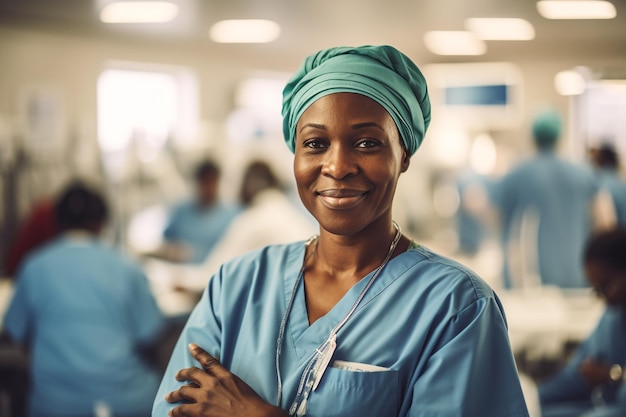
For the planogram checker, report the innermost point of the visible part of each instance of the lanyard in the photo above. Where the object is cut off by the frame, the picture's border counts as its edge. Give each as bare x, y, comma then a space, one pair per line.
320, 358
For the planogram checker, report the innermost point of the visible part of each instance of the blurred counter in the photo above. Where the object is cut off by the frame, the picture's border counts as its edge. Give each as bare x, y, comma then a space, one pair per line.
169, 283
543, 320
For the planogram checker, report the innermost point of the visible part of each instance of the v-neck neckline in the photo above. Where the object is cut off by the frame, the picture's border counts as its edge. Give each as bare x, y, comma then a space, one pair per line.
306, 338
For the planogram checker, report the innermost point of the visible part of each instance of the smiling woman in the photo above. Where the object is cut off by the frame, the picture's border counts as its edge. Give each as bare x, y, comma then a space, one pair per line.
359, 320
347, 167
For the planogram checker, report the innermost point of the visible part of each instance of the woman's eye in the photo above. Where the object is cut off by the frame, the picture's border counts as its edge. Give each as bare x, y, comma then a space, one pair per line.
314, 144
367, 143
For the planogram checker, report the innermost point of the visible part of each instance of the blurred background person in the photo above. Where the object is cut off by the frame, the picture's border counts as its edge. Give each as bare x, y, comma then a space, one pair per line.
268, 217
474, 222
592, 383
606, 161
82, 310
195, 224
547, 207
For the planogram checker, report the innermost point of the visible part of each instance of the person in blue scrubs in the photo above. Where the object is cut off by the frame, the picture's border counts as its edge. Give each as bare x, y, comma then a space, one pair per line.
546, 205
196, 224
472, 219
607, 163
83, 310
593, 384
359, 320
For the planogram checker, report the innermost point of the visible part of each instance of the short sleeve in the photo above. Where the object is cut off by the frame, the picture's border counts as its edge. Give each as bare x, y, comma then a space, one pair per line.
473, 372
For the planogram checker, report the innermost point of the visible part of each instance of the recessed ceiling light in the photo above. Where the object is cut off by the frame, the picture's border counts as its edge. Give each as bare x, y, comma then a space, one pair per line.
454, 43
576, 9
139, 12
501, 29
569, 83
244, 31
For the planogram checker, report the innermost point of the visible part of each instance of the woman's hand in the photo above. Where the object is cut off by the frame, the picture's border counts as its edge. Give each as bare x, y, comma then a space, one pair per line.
213, 391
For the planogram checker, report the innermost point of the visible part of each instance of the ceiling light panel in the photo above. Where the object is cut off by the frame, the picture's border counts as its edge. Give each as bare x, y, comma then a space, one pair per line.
501, 29
454, 43
244, 31
139, 12
576, 9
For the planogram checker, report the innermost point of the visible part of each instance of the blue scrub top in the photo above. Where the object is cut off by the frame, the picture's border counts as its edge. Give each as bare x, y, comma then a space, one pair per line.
568, 394
437, 329
472, 230
616, 186
199, 227
560, 193
83, 309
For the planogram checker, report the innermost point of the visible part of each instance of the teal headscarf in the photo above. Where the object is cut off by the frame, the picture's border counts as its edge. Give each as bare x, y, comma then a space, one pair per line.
381, 73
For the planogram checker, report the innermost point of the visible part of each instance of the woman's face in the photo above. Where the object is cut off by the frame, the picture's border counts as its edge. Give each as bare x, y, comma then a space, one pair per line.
347, 162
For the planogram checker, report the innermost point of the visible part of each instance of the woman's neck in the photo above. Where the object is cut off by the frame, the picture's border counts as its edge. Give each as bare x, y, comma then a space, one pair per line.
356, 256
336, 263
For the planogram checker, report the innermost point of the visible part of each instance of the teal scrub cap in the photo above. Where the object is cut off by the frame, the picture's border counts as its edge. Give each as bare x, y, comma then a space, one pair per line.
381, 73
546, 128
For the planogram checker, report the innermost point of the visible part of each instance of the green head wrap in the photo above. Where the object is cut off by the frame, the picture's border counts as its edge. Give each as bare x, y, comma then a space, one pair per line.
546, 129
381, 73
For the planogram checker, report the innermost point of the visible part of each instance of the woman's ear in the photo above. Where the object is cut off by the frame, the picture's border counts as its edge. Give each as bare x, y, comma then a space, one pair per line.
406, 160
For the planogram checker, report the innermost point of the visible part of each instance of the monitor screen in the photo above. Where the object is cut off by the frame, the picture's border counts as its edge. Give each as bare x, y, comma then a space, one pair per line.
476, 95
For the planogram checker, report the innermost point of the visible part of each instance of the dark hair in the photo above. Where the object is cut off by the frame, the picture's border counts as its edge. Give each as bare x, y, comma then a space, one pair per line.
79, 207
206, 169
257, 177
609, 248
606, 156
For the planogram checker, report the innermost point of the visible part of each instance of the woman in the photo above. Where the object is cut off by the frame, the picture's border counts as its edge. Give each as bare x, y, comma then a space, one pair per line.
592, 383
360, 320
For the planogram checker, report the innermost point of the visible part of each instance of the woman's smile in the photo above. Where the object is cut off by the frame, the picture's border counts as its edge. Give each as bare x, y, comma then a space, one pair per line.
341, 198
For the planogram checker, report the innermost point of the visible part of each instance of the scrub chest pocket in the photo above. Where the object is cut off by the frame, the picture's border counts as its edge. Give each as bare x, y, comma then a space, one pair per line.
355, 393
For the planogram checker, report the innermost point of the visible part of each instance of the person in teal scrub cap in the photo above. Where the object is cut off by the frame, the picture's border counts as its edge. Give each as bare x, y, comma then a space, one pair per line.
555, 204
360, 319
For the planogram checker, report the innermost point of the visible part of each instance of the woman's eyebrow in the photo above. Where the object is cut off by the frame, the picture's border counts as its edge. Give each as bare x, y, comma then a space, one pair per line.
312, 125
354, 126
367, 124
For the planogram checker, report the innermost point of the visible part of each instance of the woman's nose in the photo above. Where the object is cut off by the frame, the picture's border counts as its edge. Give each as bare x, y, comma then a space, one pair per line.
339, 162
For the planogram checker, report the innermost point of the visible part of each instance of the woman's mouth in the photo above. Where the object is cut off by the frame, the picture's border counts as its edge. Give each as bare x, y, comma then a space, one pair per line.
341, 199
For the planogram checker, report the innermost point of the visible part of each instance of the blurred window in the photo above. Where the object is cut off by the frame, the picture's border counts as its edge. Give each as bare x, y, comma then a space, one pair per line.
145, 108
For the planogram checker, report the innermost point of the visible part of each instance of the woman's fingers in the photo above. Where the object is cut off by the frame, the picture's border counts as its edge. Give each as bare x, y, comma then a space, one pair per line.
209, 363
184, 393
213, 391
183, 410
195, 376
190, 374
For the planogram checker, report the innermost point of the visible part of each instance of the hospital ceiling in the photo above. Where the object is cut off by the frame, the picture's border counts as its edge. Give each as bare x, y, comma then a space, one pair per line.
308, 25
